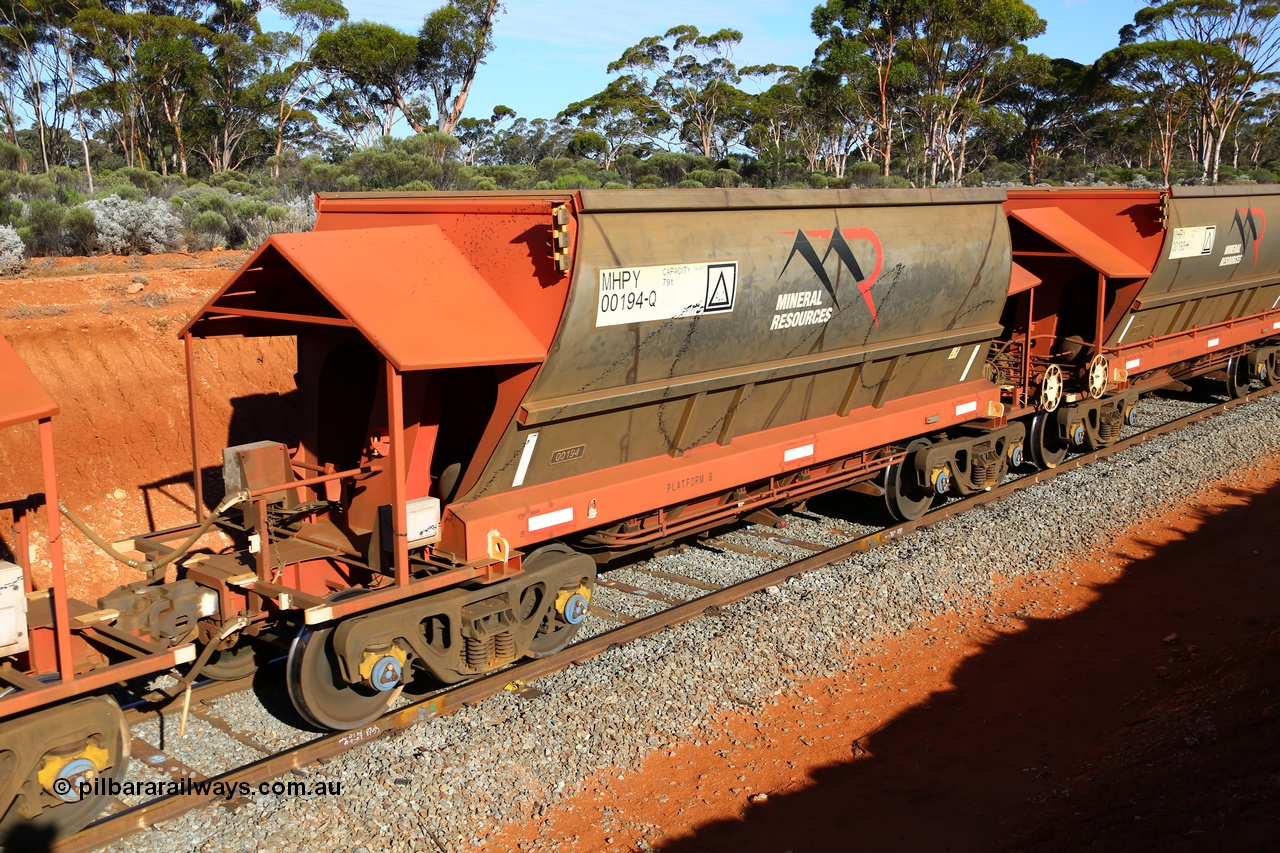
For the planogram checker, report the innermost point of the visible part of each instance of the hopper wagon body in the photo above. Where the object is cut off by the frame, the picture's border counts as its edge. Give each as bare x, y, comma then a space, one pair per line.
1132, 289
696, 343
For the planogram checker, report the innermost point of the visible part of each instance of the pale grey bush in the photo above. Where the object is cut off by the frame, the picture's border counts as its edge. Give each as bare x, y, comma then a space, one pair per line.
291, 217
12, 251
125, 227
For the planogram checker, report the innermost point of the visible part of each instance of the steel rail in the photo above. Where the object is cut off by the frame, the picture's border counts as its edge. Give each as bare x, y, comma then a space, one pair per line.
124, 823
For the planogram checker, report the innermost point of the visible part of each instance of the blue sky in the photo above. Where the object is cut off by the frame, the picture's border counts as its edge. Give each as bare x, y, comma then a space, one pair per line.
550, 53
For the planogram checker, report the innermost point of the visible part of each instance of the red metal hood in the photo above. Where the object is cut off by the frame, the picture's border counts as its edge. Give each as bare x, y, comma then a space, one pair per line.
22, 398
1071, 234
408, 290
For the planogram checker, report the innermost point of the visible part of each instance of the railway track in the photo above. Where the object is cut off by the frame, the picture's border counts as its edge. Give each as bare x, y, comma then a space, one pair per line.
704, 598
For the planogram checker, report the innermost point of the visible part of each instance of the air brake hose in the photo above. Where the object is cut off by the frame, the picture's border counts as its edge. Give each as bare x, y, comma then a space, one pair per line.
154, 566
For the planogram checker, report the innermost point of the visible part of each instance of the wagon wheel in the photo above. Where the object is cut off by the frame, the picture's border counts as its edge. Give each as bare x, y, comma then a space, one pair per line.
1237, 377
903, 497
561, 623
1047, 448
317, 689
1268, 370
1096, 376
1051, 388
81, 742
240, 660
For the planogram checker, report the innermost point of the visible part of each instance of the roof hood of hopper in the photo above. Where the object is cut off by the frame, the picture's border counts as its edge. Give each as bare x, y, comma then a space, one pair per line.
408, 290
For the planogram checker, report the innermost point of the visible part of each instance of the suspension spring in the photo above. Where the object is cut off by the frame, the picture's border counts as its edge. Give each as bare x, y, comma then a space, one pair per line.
986, 471
504, 647
478, 652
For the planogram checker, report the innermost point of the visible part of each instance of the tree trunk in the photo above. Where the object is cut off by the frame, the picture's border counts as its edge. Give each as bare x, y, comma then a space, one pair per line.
486, 29
75, 104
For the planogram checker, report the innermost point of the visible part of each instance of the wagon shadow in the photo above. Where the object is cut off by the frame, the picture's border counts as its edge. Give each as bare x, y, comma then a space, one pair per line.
254, 417
28, 838
954, 772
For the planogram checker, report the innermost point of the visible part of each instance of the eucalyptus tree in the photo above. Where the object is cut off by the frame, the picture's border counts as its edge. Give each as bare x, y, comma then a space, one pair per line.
691, 80
175, 74
1221, 50
33, 56
773, 115
374, 79
966, 52
236, 97
1150, 76
452, 45
293, 79
1049, 99
623, 115
860, 47
107, 43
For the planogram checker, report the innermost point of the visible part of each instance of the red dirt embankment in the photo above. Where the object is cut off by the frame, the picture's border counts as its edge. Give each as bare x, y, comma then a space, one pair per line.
101, 336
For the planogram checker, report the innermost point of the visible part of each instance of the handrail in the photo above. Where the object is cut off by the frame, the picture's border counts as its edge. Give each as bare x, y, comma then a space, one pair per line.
362, 471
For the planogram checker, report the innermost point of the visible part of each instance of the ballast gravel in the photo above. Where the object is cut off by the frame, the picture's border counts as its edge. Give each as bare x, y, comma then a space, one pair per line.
446, 784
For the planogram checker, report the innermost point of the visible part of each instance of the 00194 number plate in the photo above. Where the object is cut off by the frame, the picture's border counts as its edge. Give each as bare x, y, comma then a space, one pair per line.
640, 294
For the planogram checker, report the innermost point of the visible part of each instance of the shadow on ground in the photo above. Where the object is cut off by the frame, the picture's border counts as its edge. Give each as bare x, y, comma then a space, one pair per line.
1026, 730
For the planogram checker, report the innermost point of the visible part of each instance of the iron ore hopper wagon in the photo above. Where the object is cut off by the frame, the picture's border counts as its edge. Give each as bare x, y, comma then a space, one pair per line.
501, 392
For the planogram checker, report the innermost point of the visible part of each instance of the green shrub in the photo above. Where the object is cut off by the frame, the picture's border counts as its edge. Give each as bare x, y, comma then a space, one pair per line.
11, 210
574, 181
247, 208
41, 228
863, 173
210, 199
240, 187
208, 230
12, 158
127, 192
149, 182
79, 231
727, 178
706, 177
549, 168
514, 177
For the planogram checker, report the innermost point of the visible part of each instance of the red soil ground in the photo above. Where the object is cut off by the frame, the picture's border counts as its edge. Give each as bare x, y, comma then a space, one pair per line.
1128, 701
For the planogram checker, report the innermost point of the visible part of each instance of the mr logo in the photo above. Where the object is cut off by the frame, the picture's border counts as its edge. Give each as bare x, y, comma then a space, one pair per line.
839, 246
1251, 224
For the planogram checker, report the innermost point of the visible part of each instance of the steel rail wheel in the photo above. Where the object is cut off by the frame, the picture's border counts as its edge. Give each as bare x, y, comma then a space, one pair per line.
316, 687
1237, 377
561, 624
1047, 448
48, 757
239, 661
1268, 372
905, 500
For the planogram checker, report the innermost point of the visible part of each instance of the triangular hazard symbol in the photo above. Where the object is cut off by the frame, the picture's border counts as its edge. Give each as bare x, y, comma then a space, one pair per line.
719, 293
